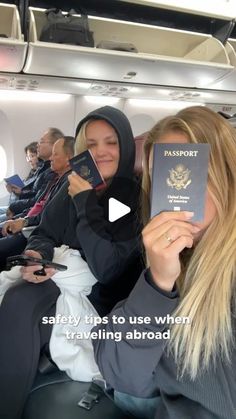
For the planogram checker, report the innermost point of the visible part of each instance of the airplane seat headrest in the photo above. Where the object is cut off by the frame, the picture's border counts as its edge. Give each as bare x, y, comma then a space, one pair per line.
139, 142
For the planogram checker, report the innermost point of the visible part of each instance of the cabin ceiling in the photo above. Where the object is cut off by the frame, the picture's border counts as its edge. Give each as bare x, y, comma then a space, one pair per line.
30, 83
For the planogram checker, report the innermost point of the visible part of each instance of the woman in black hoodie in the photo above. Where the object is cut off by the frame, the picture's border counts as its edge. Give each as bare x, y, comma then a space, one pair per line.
77, 217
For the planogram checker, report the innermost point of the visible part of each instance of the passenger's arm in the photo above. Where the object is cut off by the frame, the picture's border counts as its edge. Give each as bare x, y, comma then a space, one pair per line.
20, 205
34, 220
26, 194
40, 188
29, 273
16, 226
50, 232
129, 365
106, 256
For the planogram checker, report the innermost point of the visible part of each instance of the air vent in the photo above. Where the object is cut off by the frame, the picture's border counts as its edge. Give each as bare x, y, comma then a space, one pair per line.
99, 88
113, 89
109, 89
26, 84
23, 82
3, 80
177, 95
34, 83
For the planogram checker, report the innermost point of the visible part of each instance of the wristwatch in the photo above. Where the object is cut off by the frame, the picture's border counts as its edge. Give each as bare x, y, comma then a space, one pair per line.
26, 222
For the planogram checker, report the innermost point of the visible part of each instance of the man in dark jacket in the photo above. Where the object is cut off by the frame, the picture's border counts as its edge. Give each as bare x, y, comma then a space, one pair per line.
62, 151
44, 175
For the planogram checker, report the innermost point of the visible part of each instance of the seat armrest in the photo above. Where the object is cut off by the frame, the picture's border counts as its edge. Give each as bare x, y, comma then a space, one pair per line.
26, 231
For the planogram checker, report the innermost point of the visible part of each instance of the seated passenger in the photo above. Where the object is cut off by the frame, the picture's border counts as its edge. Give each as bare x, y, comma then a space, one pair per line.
31, 154
27, 198
14, 191
77, 217
14, 243
191, 273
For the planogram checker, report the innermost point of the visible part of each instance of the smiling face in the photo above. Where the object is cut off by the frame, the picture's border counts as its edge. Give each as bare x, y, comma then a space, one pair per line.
103, 143
210, 209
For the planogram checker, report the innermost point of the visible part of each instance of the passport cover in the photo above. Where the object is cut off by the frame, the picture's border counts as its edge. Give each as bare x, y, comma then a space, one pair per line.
15, 180
179, 178
85, 166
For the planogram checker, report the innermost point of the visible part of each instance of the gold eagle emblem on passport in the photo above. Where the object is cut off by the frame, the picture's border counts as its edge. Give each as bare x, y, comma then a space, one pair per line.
179, 177
84, 171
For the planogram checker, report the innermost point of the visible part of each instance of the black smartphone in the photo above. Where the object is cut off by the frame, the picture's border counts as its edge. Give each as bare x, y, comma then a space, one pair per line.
24, 260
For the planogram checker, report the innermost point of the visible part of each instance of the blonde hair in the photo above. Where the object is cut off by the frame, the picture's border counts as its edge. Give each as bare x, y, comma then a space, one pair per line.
80, 141
207, 291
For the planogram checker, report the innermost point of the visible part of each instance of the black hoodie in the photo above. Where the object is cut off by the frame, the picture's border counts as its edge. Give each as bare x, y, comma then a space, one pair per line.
82, 223
121, 124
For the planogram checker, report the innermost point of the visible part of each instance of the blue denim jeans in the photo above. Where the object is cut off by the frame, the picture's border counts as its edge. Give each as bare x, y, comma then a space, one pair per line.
136, 406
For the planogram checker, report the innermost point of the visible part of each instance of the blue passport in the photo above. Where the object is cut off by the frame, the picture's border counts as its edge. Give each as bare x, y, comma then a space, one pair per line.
179, 178
15, 180
85, 166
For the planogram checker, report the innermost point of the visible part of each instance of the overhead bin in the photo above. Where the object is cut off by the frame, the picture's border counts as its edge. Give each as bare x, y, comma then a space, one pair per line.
12, 46
165, 56
229, 82
223, 9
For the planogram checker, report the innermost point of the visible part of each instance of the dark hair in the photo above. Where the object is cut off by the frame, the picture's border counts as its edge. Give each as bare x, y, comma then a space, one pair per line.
32, 147
69, 145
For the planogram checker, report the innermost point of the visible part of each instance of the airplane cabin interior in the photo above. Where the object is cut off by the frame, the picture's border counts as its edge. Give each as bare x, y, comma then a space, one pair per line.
148, 59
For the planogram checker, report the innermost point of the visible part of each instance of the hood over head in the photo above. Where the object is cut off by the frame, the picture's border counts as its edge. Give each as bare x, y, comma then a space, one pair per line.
123, 186
120, 123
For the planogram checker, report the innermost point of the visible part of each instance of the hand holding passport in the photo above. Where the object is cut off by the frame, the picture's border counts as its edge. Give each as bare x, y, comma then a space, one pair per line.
85, 166
179, 178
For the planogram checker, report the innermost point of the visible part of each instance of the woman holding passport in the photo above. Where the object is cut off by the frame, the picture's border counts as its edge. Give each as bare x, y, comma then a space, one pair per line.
77, 217
191, 274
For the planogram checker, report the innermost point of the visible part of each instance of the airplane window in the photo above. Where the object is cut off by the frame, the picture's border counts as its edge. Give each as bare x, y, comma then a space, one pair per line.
3, 166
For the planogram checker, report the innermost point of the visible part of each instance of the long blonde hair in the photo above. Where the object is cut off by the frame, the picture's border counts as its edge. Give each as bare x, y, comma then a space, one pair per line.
207, 293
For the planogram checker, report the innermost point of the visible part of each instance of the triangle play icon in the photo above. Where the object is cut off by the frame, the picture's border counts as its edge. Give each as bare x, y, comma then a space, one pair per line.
117, 209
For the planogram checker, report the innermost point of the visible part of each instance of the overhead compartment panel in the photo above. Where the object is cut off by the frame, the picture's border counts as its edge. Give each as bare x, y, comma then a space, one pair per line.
12, 47
229, 82
165, 56
223, 9
79, 62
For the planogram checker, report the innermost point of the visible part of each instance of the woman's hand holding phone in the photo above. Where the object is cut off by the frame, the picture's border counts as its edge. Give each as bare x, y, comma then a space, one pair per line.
164, 237
29, 273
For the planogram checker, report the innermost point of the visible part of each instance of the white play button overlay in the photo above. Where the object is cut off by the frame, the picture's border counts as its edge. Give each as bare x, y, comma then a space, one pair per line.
116, 209
121, 205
